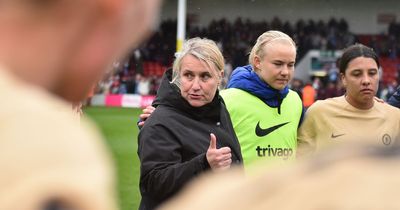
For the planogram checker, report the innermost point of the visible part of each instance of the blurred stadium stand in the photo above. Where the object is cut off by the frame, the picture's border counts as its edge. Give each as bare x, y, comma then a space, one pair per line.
326, 26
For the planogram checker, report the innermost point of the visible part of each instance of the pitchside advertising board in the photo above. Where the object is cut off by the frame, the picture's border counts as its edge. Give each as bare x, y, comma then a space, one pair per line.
122, 100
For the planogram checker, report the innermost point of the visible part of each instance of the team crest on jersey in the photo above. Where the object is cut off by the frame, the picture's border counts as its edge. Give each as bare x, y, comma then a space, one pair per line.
386, 139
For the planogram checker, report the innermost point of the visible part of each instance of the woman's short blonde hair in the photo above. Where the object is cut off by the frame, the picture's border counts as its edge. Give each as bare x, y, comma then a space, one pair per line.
203, 49
264, 39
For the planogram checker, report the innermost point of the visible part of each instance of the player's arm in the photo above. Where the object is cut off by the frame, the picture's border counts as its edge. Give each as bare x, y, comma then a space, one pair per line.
306, 136
146, 112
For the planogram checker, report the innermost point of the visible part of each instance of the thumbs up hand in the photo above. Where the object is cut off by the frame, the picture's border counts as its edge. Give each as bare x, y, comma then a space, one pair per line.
218, 159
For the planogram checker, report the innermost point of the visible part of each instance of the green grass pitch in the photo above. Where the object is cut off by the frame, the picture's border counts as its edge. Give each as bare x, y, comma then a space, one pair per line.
118, 126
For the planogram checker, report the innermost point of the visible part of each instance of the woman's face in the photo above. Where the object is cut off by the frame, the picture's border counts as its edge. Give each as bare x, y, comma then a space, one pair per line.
361, 82
276, 67
199, 82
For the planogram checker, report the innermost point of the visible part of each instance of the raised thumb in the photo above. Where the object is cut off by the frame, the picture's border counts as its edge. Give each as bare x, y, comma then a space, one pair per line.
213, 141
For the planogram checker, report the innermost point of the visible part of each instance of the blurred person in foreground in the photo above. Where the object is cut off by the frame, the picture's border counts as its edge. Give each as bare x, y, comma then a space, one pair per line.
353, 176
265, 113
51, 53
190, 132
355, 116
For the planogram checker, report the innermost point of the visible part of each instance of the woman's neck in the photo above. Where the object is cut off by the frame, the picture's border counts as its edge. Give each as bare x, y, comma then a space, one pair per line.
364, 106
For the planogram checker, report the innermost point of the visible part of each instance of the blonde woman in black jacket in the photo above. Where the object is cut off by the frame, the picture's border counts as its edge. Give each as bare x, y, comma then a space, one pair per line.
190, 132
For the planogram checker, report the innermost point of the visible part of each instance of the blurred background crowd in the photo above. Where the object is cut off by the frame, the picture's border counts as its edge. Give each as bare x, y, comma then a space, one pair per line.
140, 73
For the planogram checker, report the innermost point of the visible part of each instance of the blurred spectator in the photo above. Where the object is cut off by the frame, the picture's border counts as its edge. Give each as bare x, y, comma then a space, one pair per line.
333, 72
309, 95
331, 91
154, 85
388, 90
143, 85
297, 85
115, 84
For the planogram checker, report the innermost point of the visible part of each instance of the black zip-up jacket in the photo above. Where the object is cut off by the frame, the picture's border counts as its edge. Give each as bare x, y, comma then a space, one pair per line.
174, 141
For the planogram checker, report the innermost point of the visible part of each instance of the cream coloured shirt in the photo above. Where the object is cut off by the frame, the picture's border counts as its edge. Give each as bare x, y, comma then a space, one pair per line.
334, 121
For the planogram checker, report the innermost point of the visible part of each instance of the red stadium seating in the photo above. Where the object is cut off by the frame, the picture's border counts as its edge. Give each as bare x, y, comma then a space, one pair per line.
151, 68
389, 68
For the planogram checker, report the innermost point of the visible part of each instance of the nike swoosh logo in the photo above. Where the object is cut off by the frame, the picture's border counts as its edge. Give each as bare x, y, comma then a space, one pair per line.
335, 136
263, 132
